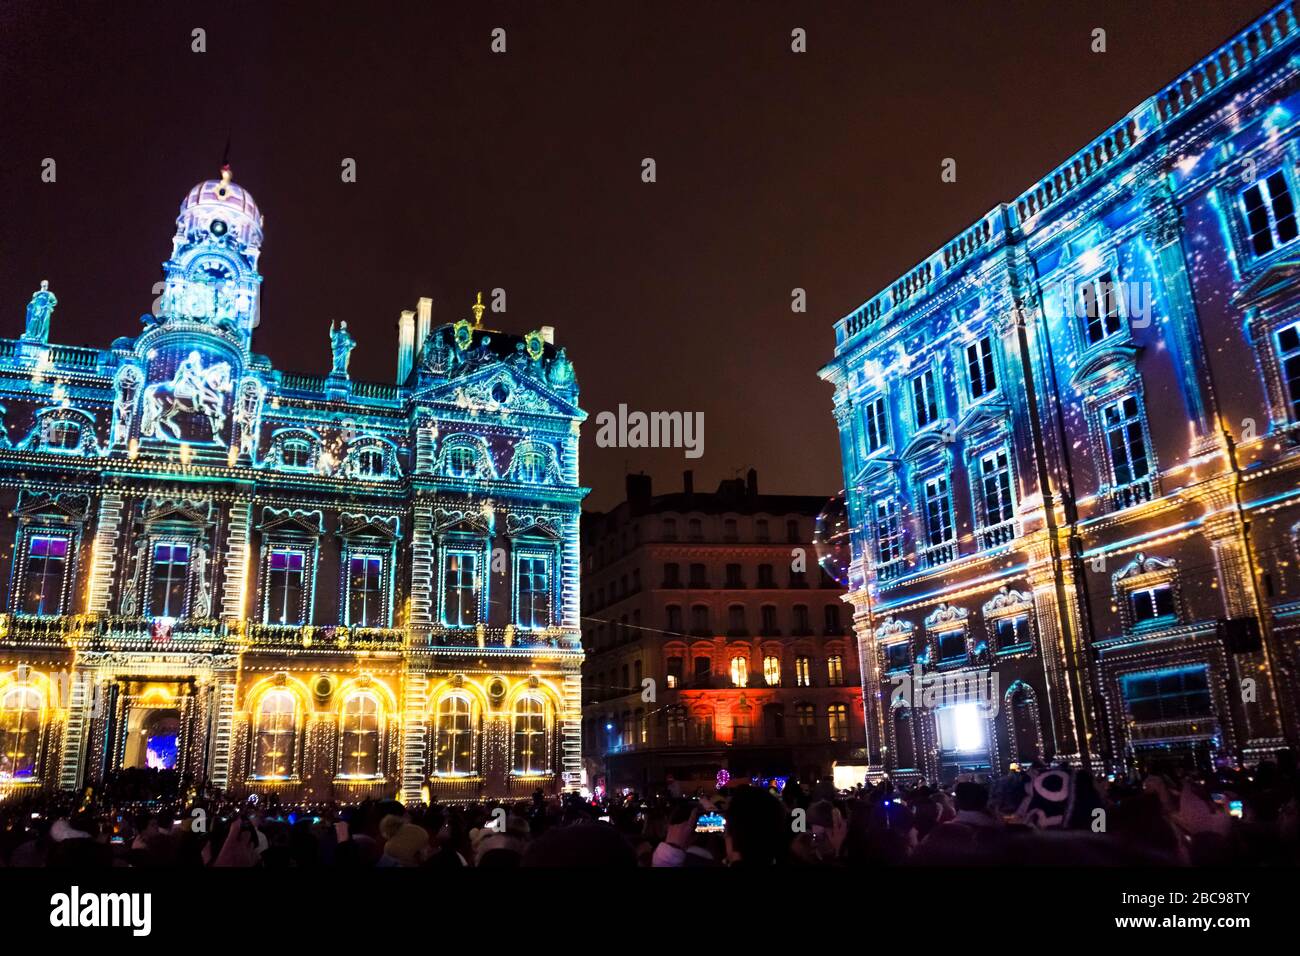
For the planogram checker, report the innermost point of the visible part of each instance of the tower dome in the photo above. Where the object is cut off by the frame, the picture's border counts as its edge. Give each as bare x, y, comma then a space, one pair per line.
220, 207
212, 277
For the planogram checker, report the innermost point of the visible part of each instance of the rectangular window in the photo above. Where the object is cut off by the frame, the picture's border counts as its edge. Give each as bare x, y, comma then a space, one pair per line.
802, 673
995, 487
674, 672
1152, 604
1270, 213
285, 598
875, 428
47, 563
938, 512
980, 374
1099, 308
1176, 694
365, 591
1012, 632
171, 564
534, 591
962, 729
925, 407
1288, 347
898, 656
889, 533
952, 646
460, 589
1126, 441
835, 670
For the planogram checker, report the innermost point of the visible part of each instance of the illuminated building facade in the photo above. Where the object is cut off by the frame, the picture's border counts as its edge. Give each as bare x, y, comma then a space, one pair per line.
1071, 446
713, 640
273, 582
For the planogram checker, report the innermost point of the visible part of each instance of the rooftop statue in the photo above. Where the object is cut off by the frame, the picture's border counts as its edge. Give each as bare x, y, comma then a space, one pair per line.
341, 343
39, 311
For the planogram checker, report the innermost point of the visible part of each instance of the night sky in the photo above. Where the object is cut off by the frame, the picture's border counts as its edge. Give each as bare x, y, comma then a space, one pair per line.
522, 171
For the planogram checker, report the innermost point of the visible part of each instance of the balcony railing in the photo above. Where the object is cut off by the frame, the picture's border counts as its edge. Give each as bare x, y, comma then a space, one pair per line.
293, 636
996, 535
1126, 496
939, 554
891, 569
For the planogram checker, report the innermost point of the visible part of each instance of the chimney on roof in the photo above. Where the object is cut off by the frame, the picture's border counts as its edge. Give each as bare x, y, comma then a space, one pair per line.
688, 482
751, 482
405, 346
638, 490
423, 321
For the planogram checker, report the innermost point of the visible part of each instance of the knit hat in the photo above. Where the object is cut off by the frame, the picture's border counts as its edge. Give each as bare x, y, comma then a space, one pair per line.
406, 845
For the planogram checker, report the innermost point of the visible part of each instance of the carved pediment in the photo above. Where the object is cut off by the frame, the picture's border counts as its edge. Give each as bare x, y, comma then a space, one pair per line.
189, 510
500, 386
1007, 599
1118, 361
932, 440
65, 505
894, 629
945, 616
293, 520
1142, 564
1275, 281
369, 526
541, 526
985, 414
473, 520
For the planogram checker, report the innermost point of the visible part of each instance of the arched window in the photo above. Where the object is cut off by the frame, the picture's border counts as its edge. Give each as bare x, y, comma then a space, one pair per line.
453, 744
837, 720
904, 742
64, 436
461, 461
1022, 723
531, 464
296, 453
360, 736
530, 736
774, 721
739, 672
276, 741
371, 464
806, 716
22, 710
772, 670
835, 670
676, 724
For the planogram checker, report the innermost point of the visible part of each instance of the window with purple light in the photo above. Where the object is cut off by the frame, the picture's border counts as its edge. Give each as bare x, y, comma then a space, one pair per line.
47, 563
365, 591
171, 565
285, 595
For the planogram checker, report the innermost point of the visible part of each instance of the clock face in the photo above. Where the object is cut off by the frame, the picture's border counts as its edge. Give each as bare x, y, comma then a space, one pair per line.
218, 227
215, 269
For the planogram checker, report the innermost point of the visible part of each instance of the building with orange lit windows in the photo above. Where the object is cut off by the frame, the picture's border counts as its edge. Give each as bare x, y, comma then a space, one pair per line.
713, 640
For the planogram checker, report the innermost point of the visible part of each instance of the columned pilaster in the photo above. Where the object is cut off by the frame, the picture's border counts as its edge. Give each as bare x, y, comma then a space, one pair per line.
422, 576
1181, 326
235, 583
221, 750
415, 732
1254, 681
103, 554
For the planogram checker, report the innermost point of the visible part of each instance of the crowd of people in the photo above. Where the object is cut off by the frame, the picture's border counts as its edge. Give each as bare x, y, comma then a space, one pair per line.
1036, 815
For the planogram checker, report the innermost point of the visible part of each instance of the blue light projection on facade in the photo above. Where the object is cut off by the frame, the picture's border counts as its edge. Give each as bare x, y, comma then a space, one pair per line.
1078, 425
310, 585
